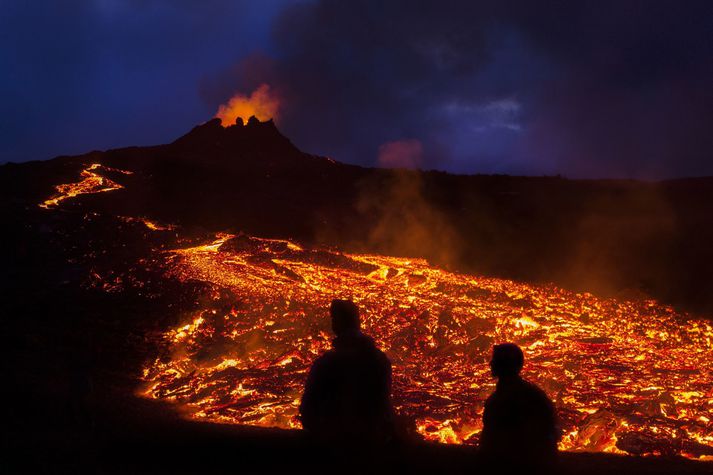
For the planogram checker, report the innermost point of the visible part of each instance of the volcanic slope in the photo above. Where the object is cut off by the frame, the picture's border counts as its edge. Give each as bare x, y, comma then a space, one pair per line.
608, 237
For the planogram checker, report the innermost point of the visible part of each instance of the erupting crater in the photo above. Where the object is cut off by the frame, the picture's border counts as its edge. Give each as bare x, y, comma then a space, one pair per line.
626, 376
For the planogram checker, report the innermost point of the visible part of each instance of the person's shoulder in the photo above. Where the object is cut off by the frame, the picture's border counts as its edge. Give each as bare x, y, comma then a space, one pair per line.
370, 350
367, 344
492, 398
324, 360
381, 358
535, 391
532, 386
381, 354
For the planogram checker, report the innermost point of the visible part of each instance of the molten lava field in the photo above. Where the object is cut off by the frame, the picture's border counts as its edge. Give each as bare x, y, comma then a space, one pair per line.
627, 376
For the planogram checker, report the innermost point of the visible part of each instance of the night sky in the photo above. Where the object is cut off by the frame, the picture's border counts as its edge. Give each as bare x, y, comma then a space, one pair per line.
620, 88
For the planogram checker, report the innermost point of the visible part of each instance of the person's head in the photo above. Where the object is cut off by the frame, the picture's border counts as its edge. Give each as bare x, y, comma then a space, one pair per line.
345, 316
507, 360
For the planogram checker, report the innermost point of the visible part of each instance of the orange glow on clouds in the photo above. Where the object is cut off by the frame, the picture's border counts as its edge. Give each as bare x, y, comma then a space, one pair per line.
406, 153
262, 103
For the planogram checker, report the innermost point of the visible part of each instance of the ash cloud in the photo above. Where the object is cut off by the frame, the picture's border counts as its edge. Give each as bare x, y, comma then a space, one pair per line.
585, 89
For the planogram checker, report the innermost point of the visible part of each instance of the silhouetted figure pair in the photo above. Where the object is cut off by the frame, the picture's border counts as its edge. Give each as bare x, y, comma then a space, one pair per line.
347, 397
347, 401
520, 431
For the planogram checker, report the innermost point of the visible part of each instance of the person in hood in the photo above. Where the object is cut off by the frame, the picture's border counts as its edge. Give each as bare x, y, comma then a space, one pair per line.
520, 431
347, 396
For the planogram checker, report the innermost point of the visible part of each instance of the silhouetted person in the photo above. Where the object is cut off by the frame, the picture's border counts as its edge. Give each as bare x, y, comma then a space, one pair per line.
519, 421
347, 395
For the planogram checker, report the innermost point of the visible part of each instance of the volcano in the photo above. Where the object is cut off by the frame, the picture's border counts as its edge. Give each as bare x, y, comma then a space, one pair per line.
155, 289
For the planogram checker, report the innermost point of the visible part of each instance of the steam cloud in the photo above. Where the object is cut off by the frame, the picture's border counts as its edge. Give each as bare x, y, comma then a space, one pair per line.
401, 154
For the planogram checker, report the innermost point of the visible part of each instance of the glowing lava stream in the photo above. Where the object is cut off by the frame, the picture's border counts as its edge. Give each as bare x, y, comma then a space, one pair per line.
626, 376
91, 182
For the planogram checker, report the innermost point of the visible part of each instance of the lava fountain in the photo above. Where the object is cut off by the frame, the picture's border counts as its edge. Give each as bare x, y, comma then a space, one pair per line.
263, 104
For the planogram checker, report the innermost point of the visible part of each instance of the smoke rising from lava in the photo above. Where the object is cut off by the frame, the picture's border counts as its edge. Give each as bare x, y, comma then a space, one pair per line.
405, 221
401, 154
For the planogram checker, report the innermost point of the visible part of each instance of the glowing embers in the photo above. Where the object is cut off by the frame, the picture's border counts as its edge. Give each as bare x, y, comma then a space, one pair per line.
149, 224
91, 182
629, 376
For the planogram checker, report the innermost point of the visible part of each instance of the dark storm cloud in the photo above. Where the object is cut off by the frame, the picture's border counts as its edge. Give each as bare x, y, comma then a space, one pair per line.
605, 88
355, 75
633, 96
582, 88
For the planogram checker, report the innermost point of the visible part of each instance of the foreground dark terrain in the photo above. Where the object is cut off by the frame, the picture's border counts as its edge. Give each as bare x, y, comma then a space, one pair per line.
78, 331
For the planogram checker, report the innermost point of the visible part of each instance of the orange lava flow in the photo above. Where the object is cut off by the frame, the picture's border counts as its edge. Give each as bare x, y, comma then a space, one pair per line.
151, 225
626, 376
91, 182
